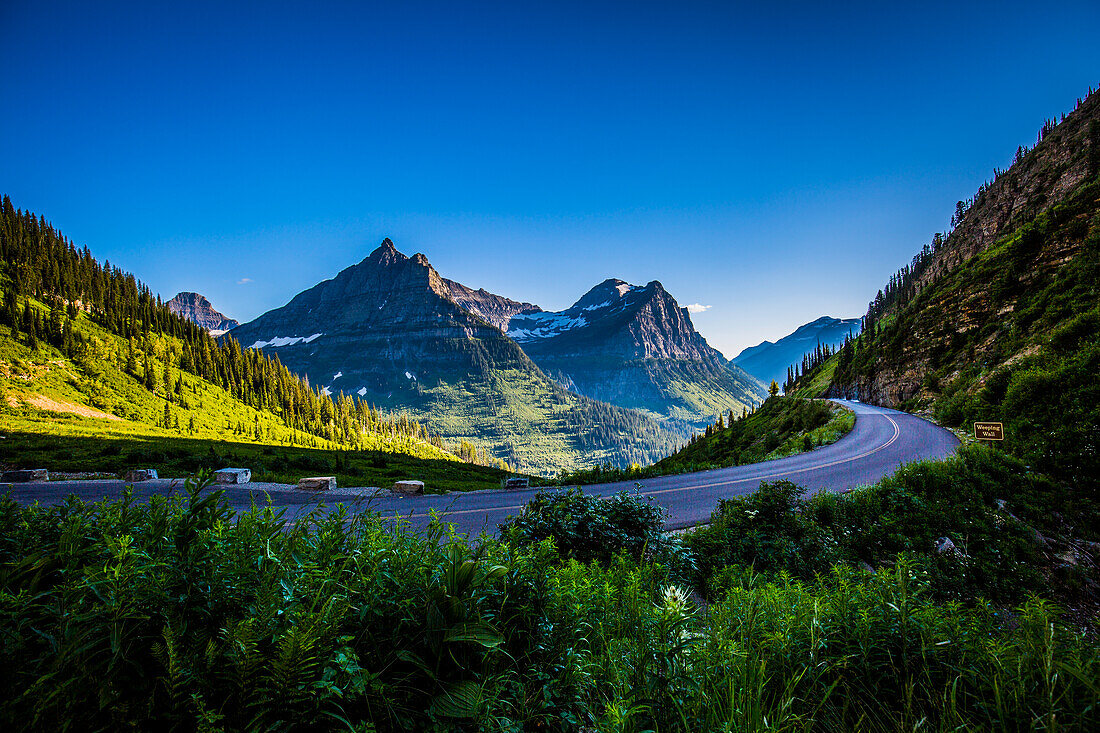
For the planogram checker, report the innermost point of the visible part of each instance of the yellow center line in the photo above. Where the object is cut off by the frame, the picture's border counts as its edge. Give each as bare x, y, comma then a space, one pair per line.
655, 492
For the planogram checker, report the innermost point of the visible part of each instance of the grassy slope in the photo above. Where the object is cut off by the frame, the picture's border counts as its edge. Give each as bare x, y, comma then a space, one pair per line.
781, 427
225, 430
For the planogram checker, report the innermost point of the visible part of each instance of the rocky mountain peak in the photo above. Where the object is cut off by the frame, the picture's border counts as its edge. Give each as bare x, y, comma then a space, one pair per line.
608, 292
385, 254
196, 308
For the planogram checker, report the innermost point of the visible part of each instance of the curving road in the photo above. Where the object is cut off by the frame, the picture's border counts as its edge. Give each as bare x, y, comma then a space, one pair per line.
881, 441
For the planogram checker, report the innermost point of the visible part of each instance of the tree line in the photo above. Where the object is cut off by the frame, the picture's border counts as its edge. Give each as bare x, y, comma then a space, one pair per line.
40, 263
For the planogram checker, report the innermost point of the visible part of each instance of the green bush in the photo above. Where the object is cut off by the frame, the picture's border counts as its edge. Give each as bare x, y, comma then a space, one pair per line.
776, 530
588, 528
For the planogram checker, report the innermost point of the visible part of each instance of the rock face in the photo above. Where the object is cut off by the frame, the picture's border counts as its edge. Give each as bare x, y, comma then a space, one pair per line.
1064, 158
767, 361
25, 475
635, 346
962, 310
197, 309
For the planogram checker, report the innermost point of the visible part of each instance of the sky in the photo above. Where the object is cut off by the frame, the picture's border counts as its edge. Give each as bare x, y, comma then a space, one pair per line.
769, 163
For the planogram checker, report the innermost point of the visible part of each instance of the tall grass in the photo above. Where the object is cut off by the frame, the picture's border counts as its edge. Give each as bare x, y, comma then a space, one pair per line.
181, 615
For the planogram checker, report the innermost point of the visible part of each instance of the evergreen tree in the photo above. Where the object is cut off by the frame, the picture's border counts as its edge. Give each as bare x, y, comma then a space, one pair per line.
150, 379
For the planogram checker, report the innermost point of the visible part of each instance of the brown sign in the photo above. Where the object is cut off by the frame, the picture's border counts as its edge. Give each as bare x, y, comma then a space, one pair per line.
989, 431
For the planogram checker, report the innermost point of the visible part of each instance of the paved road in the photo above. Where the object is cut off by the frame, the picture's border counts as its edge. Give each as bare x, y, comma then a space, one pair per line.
881, 441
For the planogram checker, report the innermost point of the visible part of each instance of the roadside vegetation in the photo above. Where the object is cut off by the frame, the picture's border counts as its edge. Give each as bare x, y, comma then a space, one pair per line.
179, 614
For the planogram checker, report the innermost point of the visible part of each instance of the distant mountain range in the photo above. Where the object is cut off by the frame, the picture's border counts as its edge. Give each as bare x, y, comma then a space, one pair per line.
767, 361
197, 309
629, 378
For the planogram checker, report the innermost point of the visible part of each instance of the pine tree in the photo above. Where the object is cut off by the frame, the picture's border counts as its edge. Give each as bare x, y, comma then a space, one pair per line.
149, 378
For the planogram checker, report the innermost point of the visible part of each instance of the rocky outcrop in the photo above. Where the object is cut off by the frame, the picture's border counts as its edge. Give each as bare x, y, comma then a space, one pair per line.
197, 309
1067, 154
979, 306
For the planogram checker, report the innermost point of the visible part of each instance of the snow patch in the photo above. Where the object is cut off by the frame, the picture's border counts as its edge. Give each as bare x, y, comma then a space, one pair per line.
624, 289
337, 375
362, 391
543, 325
410, 375
326, 391
285, 341
597, 306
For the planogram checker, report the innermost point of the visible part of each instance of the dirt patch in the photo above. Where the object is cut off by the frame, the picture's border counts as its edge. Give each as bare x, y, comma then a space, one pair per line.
43, 402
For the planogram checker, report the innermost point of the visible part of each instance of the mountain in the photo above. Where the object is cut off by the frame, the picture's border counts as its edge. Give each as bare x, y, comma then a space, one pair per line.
197, 309
635, 346
389, 330
767, 361
999, 320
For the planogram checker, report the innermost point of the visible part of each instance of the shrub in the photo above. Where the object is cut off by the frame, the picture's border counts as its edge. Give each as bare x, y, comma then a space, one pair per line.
776, 530
586, 527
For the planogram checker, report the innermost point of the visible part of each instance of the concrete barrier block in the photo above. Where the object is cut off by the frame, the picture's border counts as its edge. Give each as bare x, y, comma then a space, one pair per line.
409, 487
24, 475
233, 475
317, 483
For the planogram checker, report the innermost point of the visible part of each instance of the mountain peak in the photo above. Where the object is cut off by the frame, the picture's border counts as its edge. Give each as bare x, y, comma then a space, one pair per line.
196, 308
385, 253
609, 291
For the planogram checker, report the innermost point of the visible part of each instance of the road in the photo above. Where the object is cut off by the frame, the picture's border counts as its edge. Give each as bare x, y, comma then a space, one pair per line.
881, 441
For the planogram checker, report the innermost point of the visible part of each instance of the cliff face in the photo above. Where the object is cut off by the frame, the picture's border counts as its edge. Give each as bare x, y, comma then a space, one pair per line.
197, 309
1043, 177
1020, 263
635, 346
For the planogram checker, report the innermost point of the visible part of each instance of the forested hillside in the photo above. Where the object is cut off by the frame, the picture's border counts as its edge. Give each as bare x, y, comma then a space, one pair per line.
87, 352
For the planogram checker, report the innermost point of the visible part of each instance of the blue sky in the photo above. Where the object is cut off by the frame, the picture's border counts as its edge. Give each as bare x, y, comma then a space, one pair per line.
774, 163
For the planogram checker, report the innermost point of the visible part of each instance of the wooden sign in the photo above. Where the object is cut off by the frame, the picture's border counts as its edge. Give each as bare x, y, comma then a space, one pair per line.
989, 431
